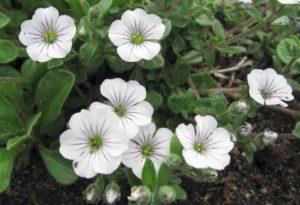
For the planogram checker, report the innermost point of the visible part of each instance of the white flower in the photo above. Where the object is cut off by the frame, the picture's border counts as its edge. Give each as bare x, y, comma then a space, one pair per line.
47, 35
137, 35
94, 142
127, 103
269, 137
148, 144
269, 88
289, 1
246, 129
208, 147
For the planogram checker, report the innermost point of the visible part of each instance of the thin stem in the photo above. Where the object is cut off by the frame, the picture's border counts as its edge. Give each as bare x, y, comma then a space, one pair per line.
224, 90
294, 113
11, 79
193, 87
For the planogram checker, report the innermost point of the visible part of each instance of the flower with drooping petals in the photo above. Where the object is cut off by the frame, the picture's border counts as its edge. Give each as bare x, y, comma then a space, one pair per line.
94, 143
208, 147
269, 137
148, 144
269, 88
127, 103
47, 35
137, 35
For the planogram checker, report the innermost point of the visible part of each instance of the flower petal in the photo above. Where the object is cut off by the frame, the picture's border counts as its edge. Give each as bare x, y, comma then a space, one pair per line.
219, 141
133, 156
195, 159
72, 144
115, 142
185, 136
216, 160
154, 29
45, 18
141, 113
205, 126
30, 34
161, 145
84, 165
135, 93
65, 29
118, 33
128, 52
104, 163
38, 52
129, 127
99, 107
147, 50
114, 90
59, 49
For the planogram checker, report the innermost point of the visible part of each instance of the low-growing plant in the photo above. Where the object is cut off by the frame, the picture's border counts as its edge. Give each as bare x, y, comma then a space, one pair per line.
142, 93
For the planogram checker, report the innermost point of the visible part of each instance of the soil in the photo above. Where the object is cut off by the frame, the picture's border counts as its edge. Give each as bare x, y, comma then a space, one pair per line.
272, 178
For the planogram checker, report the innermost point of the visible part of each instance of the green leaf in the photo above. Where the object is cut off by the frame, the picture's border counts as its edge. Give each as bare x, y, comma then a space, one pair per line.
51, 93
149, 174
232, 49
76, 7
9, 120
86, 52
132, 179
55, 63
288, 49
296, 130
295, 85
156, 63
60, 168
177, 76
8, 51
218, 29
155, 99
255, 14
210, 58
175, 146
203, 81
4, 20
180, 193
16, 141
203, 20
164, 175
104, 6
6, 167
117, 64
168, 28
29, 68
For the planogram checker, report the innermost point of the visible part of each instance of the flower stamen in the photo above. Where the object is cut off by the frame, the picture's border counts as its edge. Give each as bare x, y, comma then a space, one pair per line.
50, 37
137, 38
147, 150
120, 110
95, 142
199, 147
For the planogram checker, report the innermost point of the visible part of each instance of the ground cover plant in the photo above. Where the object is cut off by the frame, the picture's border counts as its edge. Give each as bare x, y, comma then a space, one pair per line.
136, 98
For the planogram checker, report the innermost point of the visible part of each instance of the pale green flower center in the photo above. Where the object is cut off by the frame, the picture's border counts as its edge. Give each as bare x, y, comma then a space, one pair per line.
147, 150
137, 38
120, 110
95, 142
265, 94
199, 147
50, 37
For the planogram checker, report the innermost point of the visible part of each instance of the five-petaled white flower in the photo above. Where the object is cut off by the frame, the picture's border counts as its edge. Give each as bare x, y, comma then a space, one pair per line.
289, 1
148, 144
127, 102
208, 147
47, 35
269, 88
137, 35
94, 143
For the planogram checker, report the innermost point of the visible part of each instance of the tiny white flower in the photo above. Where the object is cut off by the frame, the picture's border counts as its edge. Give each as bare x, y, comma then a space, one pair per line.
140, 195
94, 143
289, 1
148, 144
127, 103
47, 35
269, 88
112, 193
245, 1
269, 137
208, 147
137, 35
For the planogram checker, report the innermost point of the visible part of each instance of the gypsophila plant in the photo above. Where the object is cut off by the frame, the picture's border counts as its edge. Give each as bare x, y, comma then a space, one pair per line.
143, 93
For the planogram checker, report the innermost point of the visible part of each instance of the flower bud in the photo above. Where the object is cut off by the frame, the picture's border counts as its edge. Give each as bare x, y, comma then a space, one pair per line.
93, 193
140, 195
112, 193
174, 161
269, 137
166, 195
246, 129
238, 107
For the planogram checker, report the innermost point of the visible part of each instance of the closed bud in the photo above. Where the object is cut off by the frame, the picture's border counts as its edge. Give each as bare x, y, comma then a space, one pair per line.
112, 193
174, 161
246, 129
166, 195
238, 107
93, 193
140, 194
269, 137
